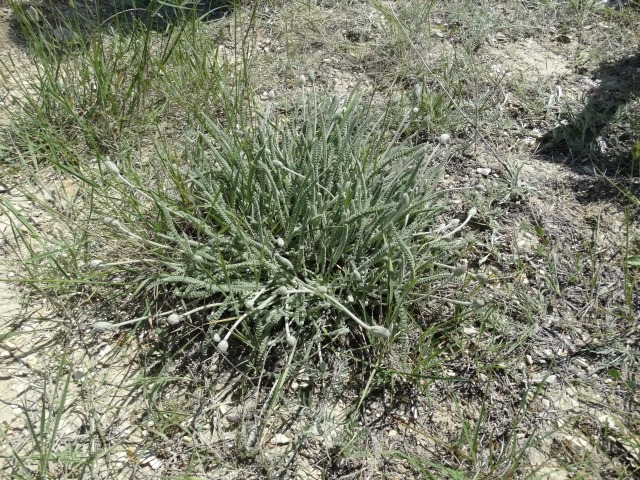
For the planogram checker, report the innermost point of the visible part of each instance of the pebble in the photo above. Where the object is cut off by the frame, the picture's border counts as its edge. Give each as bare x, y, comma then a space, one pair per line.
280, 439
470, 331
393, 433
540, 378
483, 171
580, 362
9, 346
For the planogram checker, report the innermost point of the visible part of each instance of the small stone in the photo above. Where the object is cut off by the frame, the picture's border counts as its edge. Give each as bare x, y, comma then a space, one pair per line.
470, 331
548, 353
528, 359
280, 439
8, 346
580, 362
483, 171
393, 433
540, 378
223, 409
546, 403
233, 418
608, 422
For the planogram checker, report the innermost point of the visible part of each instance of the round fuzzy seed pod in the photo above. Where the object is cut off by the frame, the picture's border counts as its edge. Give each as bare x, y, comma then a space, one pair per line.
223, 346
322, 289
249, 304
445, 138
103, 326
280, 242
216, 337
459, 270
291, 341
173, 319
379, 332
281, 291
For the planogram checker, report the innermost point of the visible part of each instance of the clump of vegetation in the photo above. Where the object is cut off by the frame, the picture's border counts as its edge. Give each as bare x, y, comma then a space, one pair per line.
293, 227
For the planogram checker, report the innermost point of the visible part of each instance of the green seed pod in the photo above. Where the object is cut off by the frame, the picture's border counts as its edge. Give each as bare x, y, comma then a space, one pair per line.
482, 278
322, 289
283, 261
103, 326
281, 291
379, 332
459, 270
112, 167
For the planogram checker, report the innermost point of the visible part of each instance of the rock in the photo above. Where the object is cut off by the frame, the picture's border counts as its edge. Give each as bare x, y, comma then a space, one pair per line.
483, 171
280, 439
470, 331
539, 378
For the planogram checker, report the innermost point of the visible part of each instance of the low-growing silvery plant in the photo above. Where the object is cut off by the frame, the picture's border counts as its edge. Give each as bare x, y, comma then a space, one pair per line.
298, 226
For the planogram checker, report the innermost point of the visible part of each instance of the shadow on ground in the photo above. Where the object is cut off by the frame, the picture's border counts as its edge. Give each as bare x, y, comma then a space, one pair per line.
64, 20
599, 138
